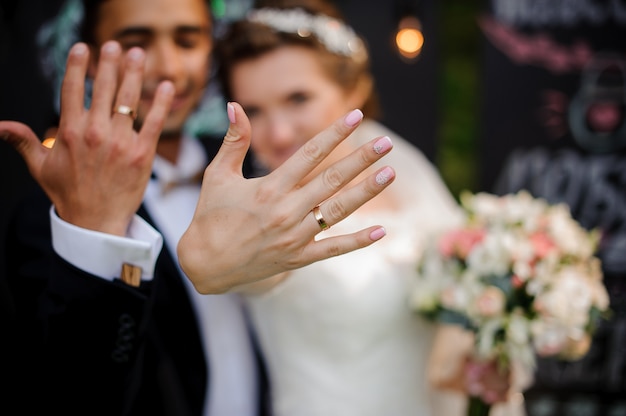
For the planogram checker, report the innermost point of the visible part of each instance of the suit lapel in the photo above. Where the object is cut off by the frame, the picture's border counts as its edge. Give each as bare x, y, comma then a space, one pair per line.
176, 337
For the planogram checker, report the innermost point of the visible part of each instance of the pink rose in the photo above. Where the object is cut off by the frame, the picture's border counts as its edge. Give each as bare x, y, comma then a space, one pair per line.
517, 281
542, 244
460, 242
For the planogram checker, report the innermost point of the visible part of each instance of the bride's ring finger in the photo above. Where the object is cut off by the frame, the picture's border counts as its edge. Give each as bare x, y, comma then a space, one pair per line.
326, 214
346, 202
319, 217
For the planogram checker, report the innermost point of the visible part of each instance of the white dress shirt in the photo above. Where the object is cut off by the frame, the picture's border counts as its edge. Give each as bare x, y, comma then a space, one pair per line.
233, 382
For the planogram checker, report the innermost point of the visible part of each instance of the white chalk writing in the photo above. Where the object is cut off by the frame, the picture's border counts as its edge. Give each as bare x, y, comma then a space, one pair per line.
568, 13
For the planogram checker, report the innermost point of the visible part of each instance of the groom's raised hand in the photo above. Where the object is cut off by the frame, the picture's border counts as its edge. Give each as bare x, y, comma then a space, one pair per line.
97, 171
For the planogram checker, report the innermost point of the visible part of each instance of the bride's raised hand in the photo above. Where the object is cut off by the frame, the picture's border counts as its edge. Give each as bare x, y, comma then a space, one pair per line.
245, 230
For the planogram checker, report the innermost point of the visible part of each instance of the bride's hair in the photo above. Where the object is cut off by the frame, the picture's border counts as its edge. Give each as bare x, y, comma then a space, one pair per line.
314, 24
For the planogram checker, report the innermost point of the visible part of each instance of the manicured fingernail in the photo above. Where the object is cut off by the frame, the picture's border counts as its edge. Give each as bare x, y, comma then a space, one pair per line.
385, 176
230, 109
110, 47
135, 54
79, 49
353, 118
382, 145
377, 234
167, 87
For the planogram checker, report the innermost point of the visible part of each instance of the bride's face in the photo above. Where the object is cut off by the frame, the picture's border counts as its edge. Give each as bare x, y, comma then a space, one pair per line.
289, 99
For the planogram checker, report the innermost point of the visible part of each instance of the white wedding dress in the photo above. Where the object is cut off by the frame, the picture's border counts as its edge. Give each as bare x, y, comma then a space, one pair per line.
338, 336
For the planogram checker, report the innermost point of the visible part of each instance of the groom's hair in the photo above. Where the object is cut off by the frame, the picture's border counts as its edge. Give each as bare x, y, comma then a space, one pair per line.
92, 15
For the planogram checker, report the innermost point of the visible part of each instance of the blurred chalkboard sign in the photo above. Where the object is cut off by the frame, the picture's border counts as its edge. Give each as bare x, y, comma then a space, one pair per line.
554, 123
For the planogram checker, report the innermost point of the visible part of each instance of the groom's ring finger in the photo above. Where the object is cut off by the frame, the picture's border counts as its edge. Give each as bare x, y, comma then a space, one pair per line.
130, 87
125, 111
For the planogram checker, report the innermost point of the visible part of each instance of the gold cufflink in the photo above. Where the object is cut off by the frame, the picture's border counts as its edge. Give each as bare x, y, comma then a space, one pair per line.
131, 275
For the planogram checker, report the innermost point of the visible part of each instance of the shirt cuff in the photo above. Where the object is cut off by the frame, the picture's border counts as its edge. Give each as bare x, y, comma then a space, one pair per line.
104, 254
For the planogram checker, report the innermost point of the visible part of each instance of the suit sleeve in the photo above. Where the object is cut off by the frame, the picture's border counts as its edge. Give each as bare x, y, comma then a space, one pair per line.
76, 339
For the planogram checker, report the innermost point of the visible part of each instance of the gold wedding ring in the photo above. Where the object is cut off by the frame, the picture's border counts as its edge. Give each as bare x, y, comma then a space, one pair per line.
126, 111
317, 213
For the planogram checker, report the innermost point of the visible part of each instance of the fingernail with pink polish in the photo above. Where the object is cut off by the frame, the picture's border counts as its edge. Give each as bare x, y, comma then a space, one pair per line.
230, 109
135, 54
110, 47
382, 145
167, 87
353, 118
377, 234
79, 49
385, 176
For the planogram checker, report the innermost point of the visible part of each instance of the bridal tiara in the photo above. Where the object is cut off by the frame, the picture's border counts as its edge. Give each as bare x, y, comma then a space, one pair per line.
332, 33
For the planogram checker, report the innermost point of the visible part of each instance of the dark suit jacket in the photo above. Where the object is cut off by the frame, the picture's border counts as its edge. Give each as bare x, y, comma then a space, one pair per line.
78, 344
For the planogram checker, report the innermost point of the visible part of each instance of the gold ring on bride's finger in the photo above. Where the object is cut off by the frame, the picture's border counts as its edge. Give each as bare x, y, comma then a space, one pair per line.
125, 111
317, 213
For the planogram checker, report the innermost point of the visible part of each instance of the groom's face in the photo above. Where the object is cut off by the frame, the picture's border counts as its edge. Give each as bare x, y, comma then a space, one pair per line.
176, 37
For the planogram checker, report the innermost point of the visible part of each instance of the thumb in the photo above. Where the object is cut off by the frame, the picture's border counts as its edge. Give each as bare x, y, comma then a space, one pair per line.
24, 140
236, 142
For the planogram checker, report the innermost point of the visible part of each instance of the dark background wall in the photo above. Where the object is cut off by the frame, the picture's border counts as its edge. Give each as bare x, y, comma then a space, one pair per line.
408, 91
24, 94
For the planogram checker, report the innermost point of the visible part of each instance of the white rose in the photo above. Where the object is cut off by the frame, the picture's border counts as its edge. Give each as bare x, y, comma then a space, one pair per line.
548, 339
518, 329
491, 256
425, 297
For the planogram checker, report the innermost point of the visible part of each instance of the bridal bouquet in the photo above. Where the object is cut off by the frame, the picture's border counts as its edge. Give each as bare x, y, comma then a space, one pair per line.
521, 274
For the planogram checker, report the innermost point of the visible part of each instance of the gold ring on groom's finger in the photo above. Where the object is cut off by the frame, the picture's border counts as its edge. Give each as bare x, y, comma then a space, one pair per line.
126, 111
317, 213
